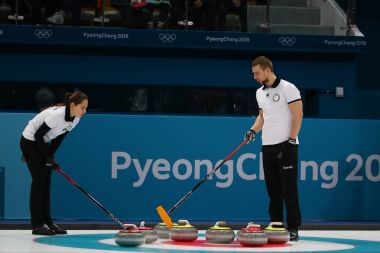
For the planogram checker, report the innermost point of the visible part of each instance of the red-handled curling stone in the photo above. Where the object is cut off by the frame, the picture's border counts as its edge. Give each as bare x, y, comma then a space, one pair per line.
183, 232
220, 233
163, 230
252, 235
130, 237
150, 233
277, 233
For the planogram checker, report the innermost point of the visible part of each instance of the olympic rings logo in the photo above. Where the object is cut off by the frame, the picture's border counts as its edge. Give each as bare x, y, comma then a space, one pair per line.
167, 37
287, 41
43, 34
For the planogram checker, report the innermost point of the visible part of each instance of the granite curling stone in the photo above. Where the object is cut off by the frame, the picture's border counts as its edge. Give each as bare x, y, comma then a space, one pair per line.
276, 233
252, 235
150, 234
130, 236
163, 230
220, 233
183, 232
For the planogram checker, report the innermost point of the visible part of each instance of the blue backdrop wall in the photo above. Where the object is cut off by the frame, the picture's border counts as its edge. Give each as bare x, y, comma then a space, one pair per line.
131, 164
320, 75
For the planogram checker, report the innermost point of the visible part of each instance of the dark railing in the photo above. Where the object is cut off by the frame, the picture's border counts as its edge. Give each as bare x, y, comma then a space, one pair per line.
267, 25
351, 15
16, 16
2, 191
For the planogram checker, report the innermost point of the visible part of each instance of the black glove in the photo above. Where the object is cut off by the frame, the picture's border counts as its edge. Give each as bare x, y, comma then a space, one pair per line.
250, 135
50, 162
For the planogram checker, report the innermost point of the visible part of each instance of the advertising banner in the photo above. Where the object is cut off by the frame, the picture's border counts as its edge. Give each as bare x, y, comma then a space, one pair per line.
179, 39
133, 163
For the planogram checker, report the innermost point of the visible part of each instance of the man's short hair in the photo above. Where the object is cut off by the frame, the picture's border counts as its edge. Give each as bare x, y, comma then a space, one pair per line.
264, 62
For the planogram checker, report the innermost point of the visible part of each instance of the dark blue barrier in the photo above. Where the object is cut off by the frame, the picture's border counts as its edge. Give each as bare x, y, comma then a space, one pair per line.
2, 191
179, 39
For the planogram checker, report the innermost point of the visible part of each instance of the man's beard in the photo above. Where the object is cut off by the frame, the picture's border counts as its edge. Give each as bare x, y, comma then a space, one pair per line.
265, 82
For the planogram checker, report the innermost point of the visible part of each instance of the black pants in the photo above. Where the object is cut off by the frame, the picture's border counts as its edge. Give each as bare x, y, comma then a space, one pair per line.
280, 164
39, 202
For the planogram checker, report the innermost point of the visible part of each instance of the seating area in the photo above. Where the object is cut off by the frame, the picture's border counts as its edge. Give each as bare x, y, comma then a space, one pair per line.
310, 17
120, 13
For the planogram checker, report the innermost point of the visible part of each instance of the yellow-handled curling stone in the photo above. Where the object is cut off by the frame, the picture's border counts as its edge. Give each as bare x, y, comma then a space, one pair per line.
183, 232
276, 233
220, 233
163, 230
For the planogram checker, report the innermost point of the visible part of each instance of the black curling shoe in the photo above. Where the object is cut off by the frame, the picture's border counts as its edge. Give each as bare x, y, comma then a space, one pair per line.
43, 230
56, 229
293, 232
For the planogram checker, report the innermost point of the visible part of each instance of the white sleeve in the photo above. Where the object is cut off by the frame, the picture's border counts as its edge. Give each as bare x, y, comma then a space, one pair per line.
258, 100
51, 119
75, 123
292, 93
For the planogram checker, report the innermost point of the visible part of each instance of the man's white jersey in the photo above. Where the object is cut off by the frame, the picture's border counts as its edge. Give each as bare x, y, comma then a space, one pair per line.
274, 102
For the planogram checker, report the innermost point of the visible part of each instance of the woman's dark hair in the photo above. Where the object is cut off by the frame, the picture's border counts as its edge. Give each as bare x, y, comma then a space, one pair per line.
75, 97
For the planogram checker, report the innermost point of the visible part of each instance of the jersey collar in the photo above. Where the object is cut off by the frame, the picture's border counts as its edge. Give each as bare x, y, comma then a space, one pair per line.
67, 114
275, 84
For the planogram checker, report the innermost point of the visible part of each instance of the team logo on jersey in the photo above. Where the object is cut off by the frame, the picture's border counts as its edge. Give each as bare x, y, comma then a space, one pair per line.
276, 98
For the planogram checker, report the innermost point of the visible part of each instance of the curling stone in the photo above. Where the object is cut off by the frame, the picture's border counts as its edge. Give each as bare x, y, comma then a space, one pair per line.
252, 235
219, 233
183, 232
130, 237
150, 233
277, 233
163, 230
